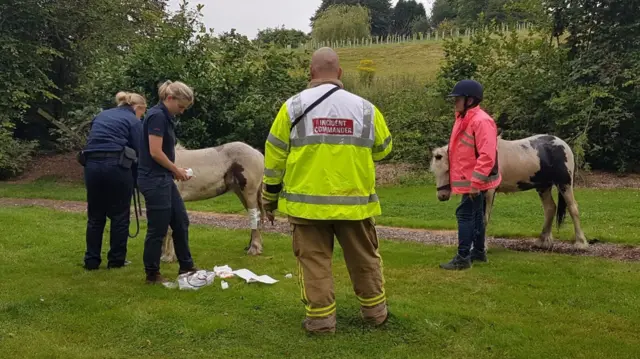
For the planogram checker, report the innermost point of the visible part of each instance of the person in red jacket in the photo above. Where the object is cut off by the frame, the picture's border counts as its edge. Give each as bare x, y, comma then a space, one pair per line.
473, 169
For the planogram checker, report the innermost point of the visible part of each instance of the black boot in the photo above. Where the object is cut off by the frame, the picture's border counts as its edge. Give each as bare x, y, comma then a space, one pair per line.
457, 263
478, 256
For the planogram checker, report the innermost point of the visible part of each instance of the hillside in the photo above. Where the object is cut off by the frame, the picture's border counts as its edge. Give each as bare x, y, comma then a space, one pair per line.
418, 60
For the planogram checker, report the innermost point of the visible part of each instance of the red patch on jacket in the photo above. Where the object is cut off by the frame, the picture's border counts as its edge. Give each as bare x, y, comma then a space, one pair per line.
332, 126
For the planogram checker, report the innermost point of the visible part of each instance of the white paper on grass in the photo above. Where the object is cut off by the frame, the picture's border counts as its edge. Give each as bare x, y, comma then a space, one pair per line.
223, 271
251, 277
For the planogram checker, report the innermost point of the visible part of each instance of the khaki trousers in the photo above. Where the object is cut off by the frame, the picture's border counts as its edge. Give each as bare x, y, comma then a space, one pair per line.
313, 243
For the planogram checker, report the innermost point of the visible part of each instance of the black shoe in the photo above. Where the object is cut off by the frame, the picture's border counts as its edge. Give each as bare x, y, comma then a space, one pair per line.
457, 263
91, 266
478, 256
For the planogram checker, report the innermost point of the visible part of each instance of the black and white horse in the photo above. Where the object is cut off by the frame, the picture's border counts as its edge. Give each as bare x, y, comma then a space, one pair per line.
538, 162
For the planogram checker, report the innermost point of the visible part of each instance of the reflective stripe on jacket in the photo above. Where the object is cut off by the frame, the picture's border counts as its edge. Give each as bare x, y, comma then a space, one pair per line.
473, 153
326, 164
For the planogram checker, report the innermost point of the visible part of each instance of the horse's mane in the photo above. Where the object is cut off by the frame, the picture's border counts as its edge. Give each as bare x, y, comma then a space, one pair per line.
179, 146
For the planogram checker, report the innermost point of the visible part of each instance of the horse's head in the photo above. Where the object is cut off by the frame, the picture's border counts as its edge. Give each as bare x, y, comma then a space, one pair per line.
440, 169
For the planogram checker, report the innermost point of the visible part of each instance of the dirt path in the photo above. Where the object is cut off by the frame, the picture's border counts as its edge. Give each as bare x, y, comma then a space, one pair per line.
228, 221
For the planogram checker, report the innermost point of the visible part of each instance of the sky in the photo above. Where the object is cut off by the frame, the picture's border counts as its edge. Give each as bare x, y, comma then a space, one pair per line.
223, 15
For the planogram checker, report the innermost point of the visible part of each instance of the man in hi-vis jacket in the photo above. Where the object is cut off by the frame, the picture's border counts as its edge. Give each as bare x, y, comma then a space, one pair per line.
319, 170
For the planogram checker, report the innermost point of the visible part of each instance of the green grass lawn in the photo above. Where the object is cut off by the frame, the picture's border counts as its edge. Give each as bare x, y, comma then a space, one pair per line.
520, 305
608, 215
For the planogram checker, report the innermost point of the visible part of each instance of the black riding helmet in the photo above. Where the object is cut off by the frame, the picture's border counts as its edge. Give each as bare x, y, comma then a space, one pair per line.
468, 88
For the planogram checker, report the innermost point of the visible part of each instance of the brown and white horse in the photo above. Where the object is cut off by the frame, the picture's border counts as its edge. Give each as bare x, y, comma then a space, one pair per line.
234, 166
537, 162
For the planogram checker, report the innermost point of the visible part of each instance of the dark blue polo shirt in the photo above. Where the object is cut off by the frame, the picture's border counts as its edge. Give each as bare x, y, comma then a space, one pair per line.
113, 129
157, 122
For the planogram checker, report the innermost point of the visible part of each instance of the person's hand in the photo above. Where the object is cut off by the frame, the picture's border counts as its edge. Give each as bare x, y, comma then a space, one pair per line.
269, 208
474, 192
181, 174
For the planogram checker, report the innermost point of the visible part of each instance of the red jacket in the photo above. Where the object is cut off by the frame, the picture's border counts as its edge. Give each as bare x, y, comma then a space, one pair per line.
469, 165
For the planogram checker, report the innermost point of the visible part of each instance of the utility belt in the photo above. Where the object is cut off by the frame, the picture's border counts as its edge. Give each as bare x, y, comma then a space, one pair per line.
126, 158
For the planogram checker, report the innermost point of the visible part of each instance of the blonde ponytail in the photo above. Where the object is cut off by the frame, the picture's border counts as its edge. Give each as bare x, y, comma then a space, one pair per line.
130, 98
178, 90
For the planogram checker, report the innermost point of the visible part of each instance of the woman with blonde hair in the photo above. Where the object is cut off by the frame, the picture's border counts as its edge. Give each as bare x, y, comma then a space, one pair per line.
109, 160
156, 175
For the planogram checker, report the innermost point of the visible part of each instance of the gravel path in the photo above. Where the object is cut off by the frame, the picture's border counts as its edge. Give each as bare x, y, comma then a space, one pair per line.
607, 250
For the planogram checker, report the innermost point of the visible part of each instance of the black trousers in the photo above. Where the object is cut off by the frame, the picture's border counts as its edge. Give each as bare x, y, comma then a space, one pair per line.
471, 231
164, 208
109, 190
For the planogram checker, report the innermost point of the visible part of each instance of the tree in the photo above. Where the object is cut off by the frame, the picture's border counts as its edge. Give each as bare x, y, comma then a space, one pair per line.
421, 25
443, 10
282, 37
405, 13
342, 22
238, 85
380, 11
46, 46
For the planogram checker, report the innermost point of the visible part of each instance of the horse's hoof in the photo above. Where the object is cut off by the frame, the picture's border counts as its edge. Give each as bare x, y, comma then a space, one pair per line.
580, 245
543, 244
254, 251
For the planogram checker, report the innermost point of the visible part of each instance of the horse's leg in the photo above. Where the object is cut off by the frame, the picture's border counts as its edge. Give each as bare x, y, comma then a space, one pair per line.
168, 251
549, 206
580, 241
488, 206
249, 199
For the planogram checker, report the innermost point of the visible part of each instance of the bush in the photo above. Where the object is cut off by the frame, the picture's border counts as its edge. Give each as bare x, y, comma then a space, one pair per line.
367, 72
418, 118
15, 155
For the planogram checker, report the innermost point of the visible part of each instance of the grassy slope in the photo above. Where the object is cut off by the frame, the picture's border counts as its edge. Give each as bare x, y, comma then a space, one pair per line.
609, 215
521, 305
419, 60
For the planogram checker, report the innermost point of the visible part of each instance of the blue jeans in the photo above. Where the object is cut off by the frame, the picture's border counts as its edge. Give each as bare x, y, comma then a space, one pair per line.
471, 231
109, 191
164, 208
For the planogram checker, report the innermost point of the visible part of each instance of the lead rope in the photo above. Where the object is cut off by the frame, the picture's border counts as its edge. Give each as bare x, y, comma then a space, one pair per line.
136, 208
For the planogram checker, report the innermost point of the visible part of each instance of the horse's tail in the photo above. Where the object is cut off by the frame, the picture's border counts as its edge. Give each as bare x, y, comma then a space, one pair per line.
562, 208
561, 212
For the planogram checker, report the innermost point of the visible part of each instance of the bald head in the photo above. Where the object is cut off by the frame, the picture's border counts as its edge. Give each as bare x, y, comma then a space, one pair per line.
325, 64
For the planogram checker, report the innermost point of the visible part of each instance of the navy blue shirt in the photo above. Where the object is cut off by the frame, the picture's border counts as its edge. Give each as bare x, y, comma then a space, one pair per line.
157, 122
113, 129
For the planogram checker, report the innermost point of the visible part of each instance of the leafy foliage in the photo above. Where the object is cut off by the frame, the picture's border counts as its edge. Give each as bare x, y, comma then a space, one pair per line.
405, 13
282, 37
342, 22
239, 86
380, 11
466, 13
584, 91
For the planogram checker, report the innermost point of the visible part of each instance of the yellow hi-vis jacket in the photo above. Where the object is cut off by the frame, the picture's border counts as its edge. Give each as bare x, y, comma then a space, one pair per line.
323, 169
